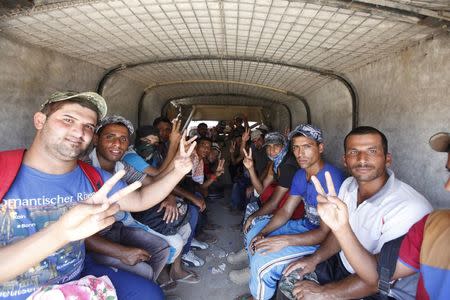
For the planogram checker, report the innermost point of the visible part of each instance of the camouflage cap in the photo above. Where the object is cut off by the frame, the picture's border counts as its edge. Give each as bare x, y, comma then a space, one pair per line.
275, 138
92, 97
115, 119
256, 134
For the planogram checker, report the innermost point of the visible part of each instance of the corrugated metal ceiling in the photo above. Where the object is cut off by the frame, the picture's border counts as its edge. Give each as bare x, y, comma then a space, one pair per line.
218, 44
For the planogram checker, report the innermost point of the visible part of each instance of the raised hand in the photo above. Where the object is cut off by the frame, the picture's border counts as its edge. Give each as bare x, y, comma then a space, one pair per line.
175, 134
248, 160
100, 197
84, 220
246, 135
220, 167
96, 212
331, 209
232, 147
183, 162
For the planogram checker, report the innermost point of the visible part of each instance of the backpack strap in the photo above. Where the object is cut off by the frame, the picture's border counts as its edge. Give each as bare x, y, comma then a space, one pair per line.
387, 261
10, 162
92, 174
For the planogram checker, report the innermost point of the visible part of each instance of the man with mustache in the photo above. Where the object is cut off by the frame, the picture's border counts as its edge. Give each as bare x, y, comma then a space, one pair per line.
52, 206
422, 250
381, 208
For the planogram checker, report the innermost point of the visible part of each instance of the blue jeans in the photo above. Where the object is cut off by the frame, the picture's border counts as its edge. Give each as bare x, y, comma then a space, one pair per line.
266, 269
194, 214
128, 285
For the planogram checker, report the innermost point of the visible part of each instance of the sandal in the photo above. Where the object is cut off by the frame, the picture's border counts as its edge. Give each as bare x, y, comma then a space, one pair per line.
191, 278
168, 285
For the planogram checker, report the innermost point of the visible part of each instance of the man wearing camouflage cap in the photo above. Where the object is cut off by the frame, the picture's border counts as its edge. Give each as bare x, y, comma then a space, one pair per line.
128, 245
51, 206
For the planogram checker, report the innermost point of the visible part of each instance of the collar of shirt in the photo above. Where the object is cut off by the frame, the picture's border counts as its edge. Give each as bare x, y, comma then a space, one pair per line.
382, 194
93, 157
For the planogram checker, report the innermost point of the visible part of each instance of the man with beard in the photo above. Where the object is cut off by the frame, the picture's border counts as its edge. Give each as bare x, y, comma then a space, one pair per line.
422, 250
381, 208
43, 243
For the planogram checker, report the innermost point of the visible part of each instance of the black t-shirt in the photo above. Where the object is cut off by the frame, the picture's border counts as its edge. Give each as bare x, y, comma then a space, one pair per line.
286, 171
260, 158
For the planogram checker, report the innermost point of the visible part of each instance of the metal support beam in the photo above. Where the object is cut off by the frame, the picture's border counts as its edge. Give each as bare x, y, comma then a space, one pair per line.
222, 95
324, 72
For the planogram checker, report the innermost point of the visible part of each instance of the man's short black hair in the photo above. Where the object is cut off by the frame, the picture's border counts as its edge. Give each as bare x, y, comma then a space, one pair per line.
361, 130
202, 125
161, 119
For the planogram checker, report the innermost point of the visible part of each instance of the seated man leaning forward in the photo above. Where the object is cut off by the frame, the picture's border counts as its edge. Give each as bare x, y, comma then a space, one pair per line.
381, 208
423, 249
51, 206
278, 240
128, 244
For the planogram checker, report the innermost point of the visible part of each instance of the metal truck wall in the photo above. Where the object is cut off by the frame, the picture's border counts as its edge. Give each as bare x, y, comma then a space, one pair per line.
29, 74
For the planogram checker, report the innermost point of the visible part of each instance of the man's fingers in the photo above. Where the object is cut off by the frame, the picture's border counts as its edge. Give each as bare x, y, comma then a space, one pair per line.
322, 199
188, 142
103, 211
330, 185
191, 149
336, 201
250, 153
290, 268
318, 186
125, 191
176, 125
109, 184
245, 152
182, 142
175, 215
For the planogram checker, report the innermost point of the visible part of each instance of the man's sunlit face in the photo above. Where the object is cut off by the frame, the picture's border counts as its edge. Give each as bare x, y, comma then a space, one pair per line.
306, 151
68, 131
365, 157
112, 142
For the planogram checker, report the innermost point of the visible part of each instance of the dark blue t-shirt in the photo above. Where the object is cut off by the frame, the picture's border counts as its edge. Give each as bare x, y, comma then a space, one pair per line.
304, 188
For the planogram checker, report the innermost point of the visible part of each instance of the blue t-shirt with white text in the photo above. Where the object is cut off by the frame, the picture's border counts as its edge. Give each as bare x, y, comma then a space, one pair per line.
34, 201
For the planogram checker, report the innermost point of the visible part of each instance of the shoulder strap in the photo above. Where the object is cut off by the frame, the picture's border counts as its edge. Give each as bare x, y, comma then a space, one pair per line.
10, 162
387, 261
92, 174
